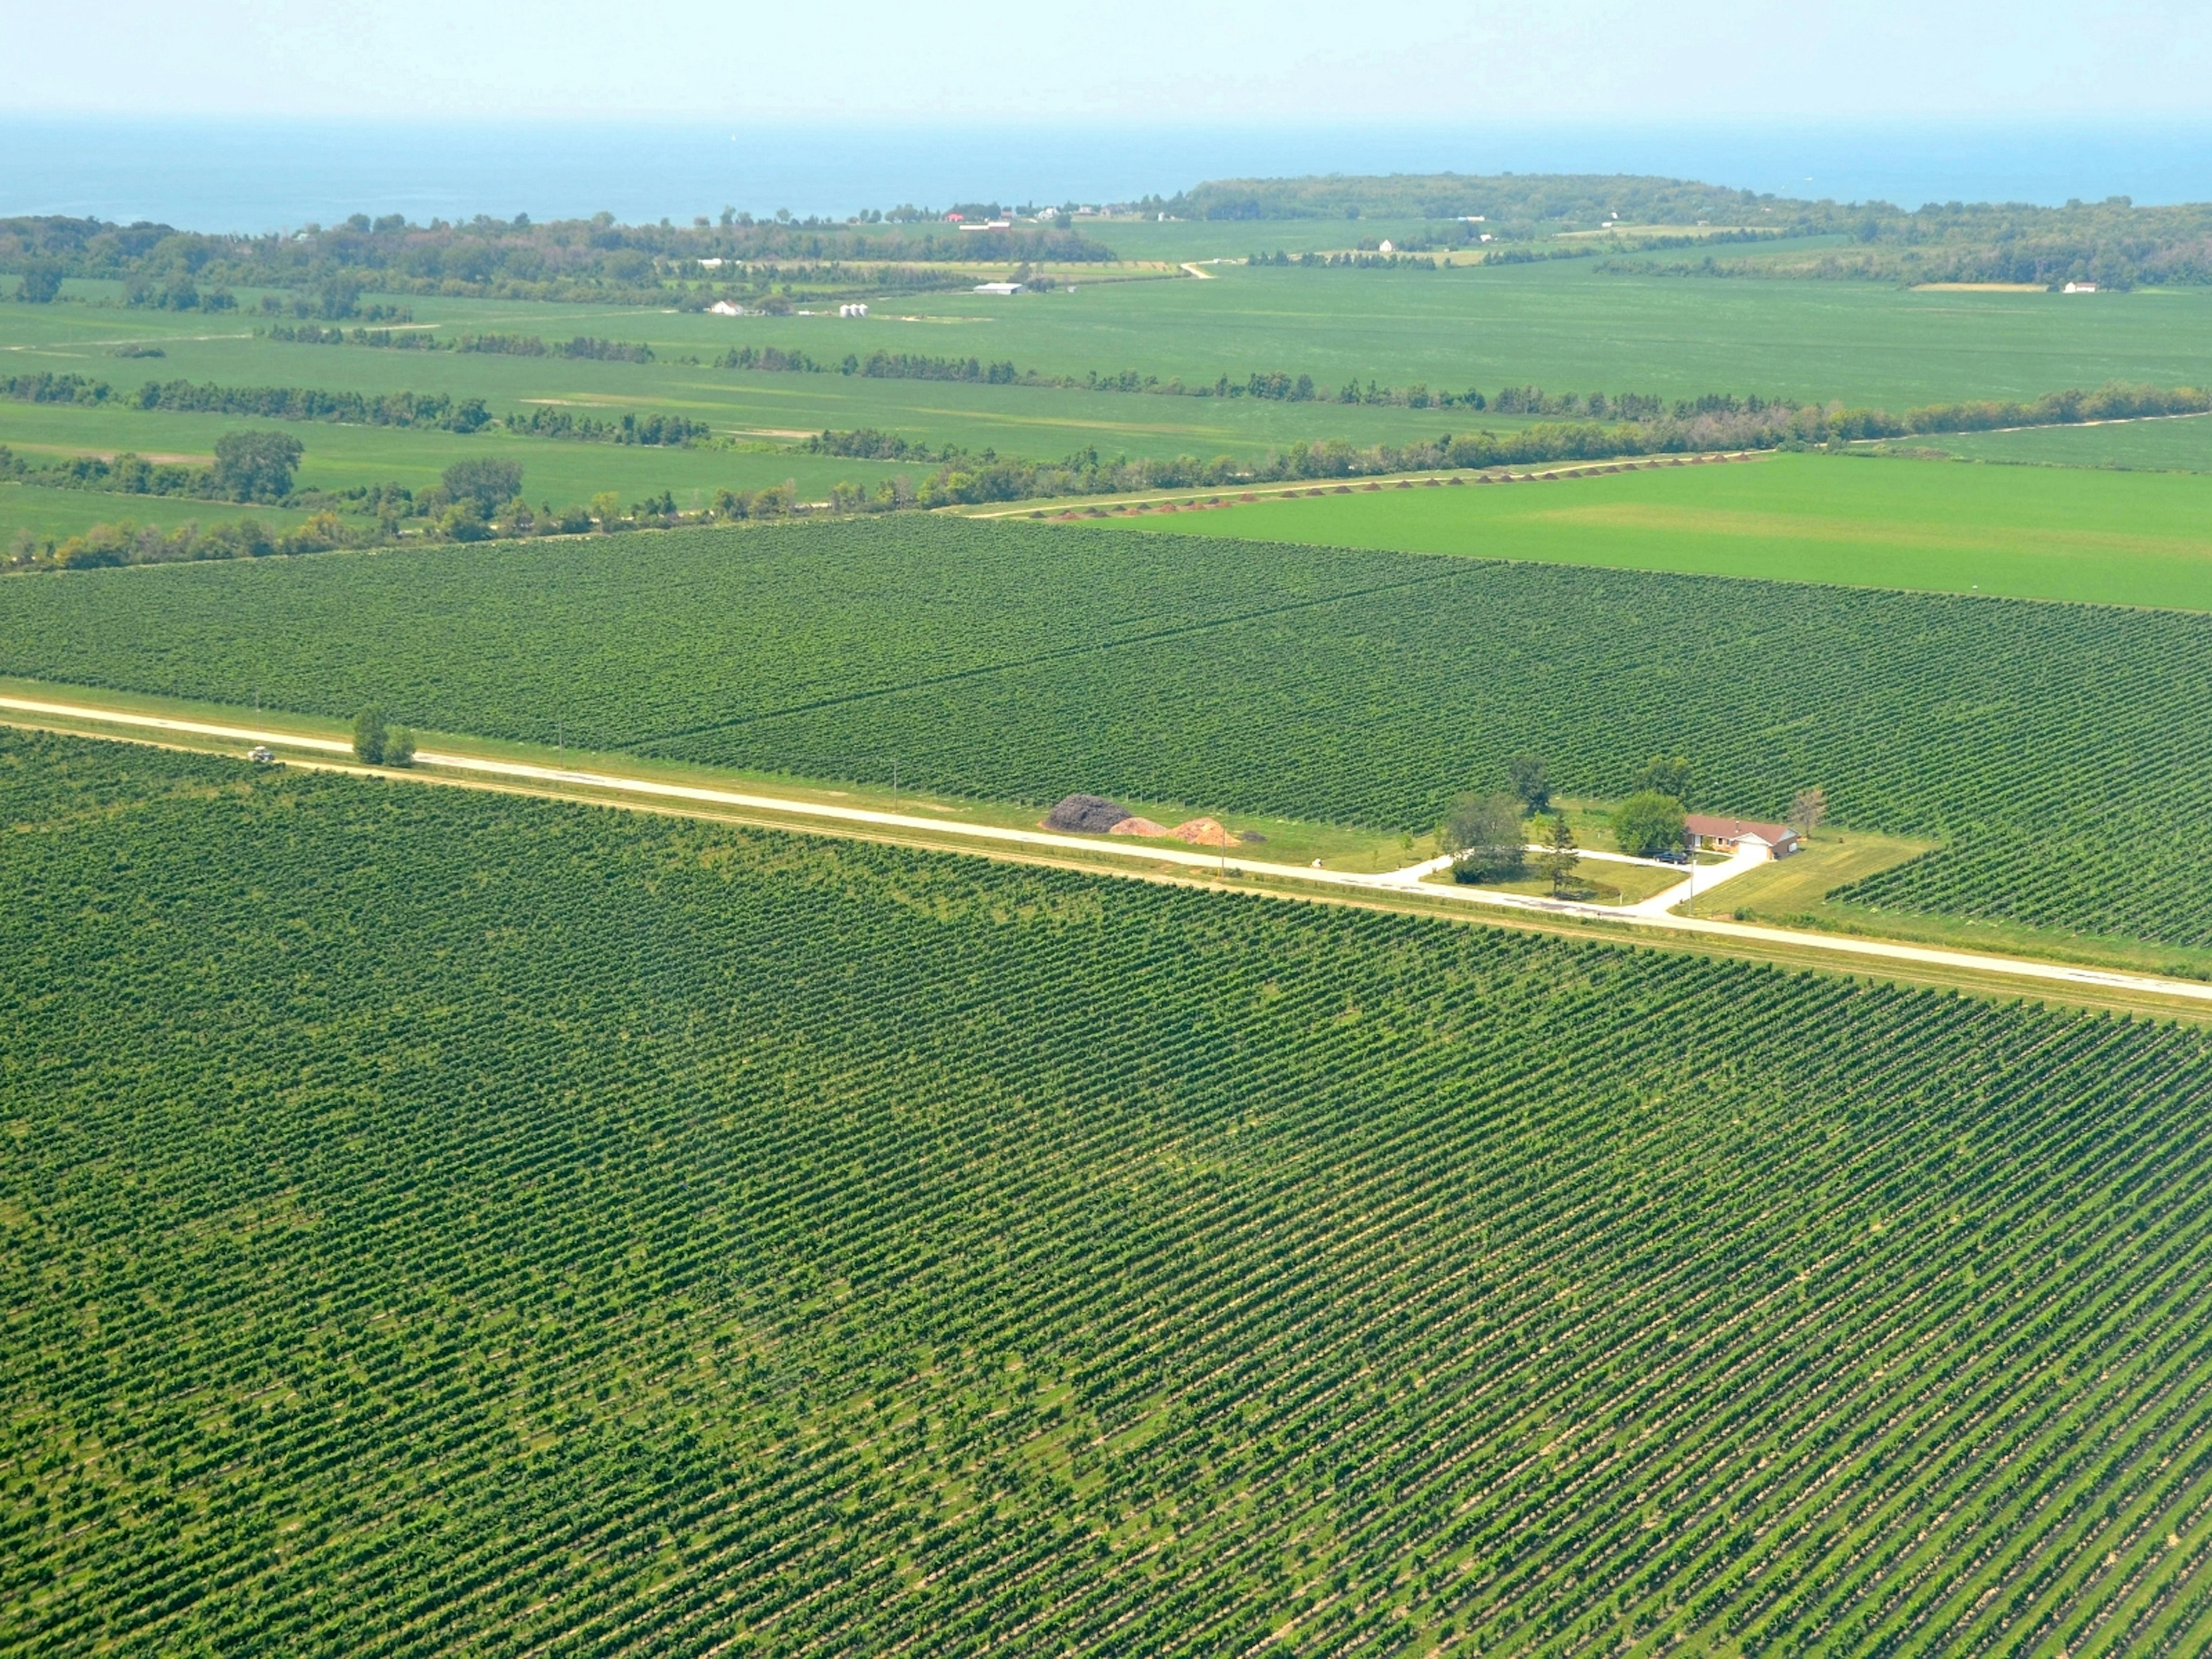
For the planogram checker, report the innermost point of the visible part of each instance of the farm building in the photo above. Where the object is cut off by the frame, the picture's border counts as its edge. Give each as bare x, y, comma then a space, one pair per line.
998, 287
725, 308
1741, 834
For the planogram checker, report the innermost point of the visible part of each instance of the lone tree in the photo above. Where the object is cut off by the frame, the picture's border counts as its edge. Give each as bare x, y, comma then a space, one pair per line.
256, 466
369, 738
1559, 859
1808, 809
487, 480
1485, 836
1648, 823
42, 282
1665, 775
1532, 780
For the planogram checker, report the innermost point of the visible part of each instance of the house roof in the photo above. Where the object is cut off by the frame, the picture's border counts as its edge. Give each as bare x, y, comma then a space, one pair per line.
1737, 829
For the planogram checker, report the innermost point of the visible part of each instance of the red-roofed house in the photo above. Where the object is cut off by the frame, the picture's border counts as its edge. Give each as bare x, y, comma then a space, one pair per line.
1741, 834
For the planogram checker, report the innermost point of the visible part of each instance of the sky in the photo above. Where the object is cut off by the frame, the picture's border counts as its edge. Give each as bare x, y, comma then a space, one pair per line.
1135, 61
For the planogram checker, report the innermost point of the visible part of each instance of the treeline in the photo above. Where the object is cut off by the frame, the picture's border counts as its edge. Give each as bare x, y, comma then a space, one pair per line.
392, 409
1712, 423
1275, 384
868, 444
422, 339
665, 431
966, 481
2113, 401
126, 475
129, 542
293, 403
512, 259
1409, 254
268, 403
1499, 200
2113, 243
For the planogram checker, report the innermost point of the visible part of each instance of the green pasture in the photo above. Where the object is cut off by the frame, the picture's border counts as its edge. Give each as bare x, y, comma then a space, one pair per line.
56, 514
2181, 444
339, 457
2090, 536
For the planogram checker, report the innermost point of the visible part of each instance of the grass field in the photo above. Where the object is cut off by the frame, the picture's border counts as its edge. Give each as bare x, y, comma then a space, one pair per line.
441, 1221
2181, 444
2046, 533
2059, 751
58, 514
340, 457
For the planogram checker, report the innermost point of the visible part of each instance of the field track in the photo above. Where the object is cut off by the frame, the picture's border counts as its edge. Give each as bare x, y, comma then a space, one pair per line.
988, 839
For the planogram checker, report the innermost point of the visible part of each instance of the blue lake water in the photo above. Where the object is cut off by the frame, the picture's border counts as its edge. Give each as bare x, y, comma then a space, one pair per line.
263, 175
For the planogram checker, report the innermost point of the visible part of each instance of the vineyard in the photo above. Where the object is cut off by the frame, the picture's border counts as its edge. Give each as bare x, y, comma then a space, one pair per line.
438, 1222
2063, 752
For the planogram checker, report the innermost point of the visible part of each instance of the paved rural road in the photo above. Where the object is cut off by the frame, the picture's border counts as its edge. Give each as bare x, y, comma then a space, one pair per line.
815, 814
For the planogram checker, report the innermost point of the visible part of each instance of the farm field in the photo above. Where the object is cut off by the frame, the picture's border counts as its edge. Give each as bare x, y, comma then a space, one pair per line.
2169, 446
342, 456
1121, 1266
1561, 326
2048, 534
55, 514
2058, 751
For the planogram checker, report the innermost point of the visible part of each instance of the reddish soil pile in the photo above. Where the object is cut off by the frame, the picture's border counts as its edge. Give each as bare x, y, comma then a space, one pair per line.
1138, 827
1202, 832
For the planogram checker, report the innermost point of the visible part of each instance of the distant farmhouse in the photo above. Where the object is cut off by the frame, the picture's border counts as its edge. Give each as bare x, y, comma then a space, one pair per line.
1740, 836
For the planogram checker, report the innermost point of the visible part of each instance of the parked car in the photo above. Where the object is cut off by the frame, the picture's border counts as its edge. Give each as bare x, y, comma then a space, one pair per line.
261, 755
1671, 856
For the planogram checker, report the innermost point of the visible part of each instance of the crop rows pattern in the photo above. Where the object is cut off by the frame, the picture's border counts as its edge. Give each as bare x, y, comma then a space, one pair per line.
439, 1222
2063, 750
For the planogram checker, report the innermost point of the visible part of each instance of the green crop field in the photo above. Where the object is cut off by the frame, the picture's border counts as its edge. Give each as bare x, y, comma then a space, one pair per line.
340, 457
55, 514
440, 1222
2102, 538
2171, 445
2060, 751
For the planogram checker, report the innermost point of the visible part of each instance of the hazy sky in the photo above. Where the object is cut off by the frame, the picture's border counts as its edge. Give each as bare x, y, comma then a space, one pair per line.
1229, 60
